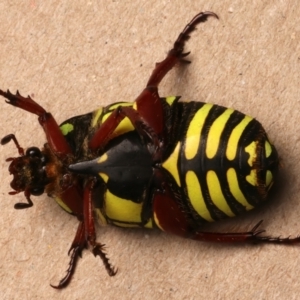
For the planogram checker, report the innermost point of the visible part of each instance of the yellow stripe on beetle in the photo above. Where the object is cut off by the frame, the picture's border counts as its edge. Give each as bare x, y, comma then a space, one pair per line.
269, 178
66, 128
62, 204
196, 197
126, 225
268, 148
235, 136
97, 117
124, 126
252, 178
235, 189
193, 133
214, 135
122, 210
216, 194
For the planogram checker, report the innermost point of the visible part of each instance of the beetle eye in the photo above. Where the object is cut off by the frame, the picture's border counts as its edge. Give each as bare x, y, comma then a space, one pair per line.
37, 191
33, 152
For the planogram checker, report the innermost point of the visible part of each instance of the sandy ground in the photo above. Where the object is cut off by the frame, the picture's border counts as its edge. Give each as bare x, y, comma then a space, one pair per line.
74, 57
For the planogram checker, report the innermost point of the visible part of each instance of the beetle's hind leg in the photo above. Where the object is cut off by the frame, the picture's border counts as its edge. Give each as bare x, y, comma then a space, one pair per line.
252, 236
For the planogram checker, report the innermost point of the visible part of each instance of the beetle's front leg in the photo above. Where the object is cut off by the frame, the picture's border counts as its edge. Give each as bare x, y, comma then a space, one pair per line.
103, 134
53, 133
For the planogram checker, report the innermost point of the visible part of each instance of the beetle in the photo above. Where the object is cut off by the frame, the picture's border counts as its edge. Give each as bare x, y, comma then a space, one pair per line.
153, 163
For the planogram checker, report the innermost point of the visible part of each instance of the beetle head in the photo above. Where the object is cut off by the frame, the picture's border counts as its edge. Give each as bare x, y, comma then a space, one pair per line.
28, 171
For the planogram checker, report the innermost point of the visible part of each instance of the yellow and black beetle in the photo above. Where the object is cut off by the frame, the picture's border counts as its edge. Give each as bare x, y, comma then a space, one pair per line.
154, 163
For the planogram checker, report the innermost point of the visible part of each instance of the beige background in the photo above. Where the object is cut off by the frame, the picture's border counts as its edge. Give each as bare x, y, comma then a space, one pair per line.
73, 56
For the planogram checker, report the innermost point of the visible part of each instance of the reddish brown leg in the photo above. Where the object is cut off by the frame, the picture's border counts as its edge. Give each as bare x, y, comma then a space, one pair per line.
148, 103
168, 214
101, 137
176, 54
177, 222
90, 232
54, 136
85, 235
252, 236
149, 119
76, 248
174, 222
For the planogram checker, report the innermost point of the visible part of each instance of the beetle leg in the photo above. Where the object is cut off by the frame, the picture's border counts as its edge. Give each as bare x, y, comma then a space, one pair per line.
53, 133
85, 235
175, 222
104, 133
176, 54
252, 236
168, 214
148, 104
228, 237
147, 114
90, 232
76, 248
179, 223
277, 240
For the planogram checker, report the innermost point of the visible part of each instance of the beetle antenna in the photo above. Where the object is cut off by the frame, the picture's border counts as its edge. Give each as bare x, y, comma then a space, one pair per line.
12, 137
21, 205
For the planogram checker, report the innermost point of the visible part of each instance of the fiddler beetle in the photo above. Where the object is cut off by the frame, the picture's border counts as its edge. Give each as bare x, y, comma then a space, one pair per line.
154, 163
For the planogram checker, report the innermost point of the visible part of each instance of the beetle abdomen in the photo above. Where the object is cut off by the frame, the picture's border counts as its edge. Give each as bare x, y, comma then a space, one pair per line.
223, 161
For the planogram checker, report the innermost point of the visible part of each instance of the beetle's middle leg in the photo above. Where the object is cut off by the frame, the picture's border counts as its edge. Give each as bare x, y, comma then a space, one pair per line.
90, 231
85, 236
78, 244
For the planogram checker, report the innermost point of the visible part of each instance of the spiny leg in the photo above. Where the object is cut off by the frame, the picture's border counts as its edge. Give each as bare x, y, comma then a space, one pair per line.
98, 250
102, 136
79, 243
90, 232
148, 104
85, 235
148, 114
53, 133
252, 236
176, 54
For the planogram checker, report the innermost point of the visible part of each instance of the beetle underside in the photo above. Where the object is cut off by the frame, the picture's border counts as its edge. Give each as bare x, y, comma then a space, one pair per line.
88, 167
